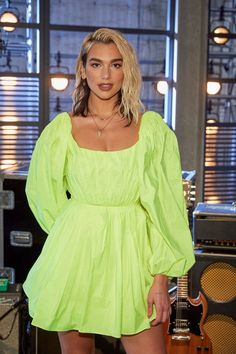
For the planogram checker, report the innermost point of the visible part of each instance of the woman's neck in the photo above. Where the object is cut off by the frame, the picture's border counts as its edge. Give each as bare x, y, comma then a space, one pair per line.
100, 107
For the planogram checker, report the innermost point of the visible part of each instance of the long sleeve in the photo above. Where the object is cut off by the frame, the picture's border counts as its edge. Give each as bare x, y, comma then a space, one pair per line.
163, 199
46, 184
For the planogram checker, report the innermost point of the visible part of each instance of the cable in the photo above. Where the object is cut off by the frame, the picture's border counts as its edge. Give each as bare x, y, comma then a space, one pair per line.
12, 325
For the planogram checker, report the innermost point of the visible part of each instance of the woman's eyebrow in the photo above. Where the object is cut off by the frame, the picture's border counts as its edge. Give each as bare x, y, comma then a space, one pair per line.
100, 61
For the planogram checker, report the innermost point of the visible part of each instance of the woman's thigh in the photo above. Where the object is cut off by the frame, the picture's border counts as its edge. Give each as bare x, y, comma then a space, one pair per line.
150, 341
73, 342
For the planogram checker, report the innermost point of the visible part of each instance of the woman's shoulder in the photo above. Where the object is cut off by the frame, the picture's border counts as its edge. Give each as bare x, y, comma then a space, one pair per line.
58, 124
58, 128
62, 118
152, 123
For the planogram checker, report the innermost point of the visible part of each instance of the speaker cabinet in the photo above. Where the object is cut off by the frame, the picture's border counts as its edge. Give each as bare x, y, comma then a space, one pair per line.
21, 238
215, 276
10, 327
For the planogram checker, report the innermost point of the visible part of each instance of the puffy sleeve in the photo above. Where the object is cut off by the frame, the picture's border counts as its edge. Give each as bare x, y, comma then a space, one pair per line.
46, 183
162, 197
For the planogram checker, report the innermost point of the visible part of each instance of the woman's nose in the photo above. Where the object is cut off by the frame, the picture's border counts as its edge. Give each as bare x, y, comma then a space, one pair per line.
105, 72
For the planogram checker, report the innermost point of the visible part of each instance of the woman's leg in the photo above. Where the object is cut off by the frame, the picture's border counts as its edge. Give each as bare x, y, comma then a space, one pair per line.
150, 341
73, 342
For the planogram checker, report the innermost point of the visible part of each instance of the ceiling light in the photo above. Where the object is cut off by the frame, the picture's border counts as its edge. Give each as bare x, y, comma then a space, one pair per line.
213, 87
9, 14
59, 79
220, 30
162, 87
59, 82
220, 27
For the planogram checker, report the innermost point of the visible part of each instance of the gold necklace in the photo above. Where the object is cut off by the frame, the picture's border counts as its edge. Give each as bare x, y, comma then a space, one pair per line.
100, 130
93, 114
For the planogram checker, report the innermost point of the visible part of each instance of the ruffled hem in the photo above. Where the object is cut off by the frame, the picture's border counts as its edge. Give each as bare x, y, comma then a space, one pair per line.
94, 330
107, 293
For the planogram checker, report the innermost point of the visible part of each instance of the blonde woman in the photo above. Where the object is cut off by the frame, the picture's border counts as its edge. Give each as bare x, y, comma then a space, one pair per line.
113, 244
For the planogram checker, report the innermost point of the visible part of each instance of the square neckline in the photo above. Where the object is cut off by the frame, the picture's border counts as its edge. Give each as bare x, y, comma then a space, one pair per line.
108, 151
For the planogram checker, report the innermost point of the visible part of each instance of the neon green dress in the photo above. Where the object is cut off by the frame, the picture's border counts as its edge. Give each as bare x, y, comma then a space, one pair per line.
125, 222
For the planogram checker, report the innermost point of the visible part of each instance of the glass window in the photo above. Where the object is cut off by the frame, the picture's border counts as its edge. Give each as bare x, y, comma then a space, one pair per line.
151, 52
148, 14
19, 51
26, 11
220, 127
27, 63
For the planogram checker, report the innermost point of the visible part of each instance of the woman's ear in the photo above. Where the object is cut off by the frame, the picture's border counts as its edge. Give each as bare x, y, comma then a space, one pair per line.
82, 72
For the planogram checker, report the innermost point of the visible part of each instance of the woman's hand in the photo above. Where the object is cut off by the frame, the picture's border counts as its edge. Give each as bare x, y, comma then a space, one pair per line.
159, 297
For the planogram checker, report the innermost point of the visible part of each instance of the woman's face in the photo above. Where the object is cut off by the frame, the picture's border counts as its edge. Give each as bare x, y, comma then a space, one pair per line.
103, 71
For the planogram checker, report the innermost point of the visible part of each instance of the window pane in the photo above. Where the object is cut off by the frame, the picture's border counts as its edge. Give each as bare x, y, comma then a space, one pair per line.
19, 51
26, 11
19, 118
124, 13
150, 49
19, 99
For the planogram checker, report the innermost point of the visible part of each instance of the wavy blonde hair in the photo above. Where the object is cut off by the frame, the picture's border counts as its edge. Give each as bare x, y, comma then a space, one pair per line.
129, 103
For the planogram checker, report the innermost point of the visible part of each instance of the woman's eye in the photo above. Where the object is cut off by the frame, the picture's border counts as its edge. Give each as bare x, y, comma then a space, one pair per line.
95, 65
117, 65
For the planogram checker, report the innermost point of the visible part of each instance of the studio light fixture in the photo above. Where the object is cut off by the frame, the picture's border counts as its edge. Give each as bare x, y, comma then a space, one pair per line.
162, 87
59, 80
213, 83
220, 27
161, 83
220, 30
10, 14
213, 87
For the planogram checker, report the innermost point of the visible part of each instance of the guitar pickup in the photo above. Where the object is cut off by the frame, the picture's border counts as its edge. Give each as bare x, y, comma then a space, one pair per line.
181, 330
181, 338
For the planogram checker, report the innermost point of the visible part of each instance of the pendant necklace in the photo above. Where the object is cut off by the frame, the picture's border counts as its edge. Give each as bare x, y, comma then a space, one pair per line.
100, 130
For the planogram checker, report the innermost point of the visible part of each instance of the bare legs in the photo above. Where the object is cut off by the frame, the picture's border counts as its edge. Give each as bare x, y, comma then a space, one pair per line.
150, 341
73, 342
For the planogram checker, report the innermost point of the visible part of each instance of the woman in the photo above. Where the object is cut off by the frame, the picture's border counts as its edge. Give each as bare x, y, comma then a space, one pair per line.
111, 247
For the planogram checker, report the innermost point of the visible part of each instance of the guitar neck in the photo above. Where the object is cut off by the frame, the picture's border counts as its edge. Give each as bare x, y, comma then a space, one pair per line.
182, 288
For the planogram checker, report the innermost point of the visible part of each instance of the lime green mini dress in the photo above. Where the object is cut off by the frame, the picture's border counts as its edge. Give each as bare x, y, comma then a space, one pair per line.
124, 222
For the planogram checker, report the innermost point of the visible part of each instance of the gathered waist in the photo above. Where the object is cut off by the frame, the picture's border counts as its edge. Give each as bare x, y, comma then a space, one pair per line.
133, 204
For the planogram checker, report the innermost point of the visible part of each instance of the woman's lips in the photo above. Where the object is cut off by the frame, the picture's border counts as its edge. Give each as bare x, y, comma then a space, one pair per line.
105, 87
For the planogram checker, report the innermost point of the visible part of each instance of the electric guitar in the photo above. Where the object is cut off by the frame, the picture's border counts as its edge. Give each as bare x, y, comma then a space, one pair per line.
184, 333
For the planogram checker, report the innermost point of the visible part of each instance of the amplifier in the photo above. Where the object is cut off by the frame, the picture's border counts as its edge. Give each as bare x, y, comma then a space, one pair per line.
214, 226
10, 326
21, 238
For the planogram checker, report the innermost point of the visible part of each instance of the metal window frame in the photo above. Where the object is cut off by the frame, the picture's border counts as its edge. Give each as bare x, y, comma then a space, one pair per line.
45, 27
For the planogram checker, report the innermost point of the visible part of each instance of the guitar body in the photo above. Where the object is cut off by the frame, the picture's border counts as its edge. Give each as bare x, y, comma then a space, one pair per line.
184, 333
192, 345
